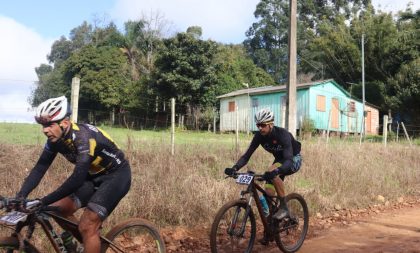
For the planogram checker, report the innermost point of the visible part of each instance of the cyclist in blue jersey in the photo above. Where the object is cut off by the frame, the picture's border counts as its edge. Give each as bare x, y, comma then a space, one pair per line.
101, 176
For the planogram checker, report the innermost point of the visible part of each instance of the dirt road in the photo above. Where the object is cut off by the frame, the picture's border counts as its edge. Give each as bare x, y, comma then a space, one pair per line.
381, 230
390, 231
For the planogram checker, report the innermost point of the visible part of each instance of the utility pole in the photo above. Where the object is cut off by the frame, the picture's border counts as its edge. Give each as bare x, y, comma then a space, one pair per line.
291, 85
75, 86
362, 132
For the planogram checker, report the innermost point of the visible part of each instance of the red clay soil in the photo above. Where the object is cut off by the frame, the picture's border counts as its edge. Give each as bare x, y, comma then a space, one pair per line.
379, 228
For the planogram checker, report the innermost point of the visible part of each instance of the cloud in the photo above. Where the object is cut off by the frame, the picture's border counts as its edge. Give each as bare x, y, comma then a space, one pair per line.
21, 50
221, 20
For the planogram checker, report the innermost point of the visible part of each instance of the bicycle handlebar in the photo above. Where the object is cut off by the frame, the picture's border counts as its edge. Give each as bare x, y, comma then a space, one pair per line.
17, 204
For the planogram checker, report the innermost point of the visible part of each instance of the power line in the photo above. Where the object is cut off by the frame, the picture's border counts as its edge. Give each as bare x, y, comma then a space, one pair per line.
18, 80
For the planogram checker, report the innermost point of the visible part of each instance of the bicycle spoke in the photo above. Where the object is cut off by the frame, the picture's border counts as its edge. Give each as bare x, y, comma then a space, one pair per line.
233, 230
292, 230
134, 239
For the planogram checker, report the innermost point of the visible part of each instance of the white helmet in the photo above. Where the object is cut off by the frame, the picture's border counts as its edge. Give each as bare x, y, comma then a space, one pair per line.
52, 110
264, 116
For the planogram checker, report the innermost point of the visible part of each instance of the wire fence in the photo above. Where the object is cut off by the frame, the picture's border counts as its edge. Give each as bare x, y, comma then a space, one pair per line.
150, 120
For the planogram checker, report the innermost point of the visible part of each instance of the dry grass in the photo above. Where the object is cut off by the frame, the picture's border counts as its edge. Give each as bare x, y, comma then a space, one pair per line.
187, 189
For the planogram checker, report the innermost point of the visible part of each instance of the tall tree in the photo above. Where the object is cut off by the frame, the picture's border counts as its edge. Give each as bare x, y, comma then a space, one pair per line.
184, 69
266, 39
104, 76
235, 68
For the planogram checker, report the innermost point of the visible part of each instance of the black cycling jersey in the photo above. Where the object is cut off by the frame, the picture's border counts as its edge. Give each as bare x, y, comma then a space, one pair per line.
278, 142
91, 150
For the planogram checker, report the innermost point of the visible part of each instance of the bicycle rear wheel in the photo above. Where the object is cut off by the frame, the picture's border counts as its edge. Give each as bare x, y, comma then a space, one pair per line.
233, 228
135, 235
293, 230
11, 245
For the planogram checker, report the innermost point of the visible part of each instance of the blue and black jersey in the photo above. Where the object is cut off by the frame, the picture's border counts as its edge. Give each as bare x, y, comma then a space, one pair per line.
279, 142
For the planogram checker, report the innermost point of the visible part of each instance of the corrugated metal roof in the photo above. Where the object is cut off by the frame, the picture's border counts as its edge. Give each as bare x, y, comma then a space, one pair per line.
270, 89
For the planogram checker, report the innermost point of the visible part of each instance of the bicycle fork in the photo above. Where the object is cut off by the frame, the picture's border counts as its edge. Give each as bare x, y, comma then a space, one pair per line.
241, 226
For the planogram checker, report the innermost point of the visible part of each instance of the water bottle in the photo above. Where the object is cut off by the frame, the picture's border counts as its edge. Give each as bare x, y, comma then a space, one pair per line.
264, 205
67, 238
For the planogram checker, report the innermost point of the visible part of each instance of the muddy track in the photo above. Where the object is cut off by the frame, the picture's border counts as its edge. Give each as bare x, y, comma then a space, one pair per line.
382, 229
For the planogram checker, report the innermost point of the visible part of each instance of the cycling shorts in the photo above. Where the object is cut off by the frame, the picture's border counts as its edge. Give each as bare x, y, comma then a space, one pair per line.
102, 193
297, 163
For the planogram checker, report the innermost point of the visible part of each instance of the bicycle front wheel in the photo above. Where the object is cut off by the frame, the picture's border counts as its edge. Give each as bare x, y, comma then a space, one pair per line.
293, 230
135, 235
233, 228
11, 245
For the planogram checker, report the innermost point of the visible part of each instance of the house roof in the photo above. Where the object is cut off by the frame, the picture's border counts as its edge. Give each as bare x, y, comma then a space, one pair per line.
271, 89
279, 88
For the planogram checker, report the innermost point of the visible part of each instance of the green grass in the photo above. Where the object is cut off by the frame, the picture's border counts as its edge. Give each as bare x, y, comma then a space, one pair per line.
30, 134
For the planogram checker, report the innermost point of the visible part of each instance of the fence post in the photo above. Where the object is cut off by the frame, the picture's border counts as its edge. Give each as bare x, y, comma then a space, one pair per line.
405, 132
75, 85
237, 132
362, 127
385, 130
214, 120
328, 126
172, 126
398, 130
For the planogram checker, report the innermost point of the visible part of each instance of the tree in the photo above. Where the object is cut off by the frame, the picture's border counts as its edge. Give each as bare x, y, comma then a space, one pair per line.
235, 67
50, 84
104, 76
60, 51
184, 70
267, 39
142, 39
196, 31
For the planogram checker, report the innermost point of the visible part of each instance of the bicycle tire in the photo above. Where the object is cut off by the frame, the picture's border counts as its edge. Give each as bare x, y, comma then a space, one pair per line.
228, 245
11, 245
134, 235
299, 214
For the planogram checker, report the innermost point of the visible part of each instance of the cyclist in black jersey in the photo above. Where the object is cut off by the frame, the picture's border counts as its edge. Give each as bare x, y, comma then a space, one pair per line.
286, 151
101, 177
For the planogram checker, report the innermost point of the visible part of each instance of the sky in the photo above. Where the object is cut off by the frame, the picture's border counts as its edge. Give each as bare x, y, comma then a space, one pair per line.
28, 28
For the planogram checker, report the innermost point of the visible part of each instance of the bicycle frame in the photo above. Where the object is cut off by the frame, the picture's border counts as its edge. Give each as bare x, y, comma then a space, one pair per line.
253, 188
43, 218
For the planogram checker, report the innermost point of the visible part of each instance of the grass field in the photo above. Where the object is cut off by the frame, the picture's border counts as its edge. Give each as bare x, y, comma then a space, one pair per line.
188, 188
30, 134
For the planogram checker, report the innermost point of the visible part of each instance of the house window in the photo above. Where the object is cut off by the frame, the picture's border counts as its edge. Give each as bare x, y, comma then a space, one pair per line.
255, 102
352, 106
231, 106
320, 103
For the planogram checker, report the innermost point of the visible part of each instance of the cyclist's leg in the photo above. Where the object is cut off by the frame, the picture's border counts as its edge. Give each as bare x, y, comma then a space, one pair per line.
70, 204
276, 185
111, 188
89, 225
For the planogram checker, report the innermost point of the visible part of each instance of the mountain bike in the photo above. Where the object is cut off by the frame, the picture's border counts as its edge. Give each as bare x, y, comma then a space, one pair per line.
234, 227
133, 235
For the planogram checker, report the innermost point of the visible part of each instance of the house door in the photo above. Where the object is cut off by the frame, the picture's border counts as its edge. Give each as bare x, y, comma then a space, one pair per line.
369, 122
334, 113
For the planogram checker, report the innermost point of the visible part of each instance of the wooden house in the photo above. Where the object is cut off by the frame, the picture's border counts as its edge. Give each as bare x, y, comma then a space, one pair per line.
324, 102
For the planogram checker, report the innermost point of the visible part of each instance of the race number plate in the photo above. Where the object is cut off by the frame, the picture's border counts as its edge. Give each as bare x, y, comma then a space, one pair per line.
13, 218
244, 179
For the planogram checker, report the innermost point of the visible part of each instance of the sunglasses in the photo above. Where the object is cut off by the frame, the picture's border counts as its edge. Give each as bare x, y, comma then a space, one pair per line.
262, 125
